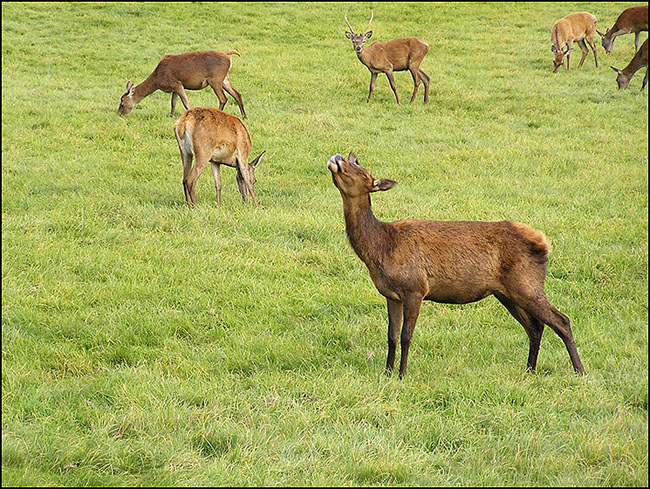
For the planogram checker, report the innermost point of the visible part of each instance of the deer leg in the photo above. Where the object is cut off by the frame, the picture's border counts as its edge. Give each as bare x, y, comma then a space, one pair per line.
425, 79
186, 158
181, 93
216, 174
412, 306
569, 46
373, 79
534, 328
218, 91
174, 98
395, 312
200, 162
636, 41
391, 80
539, 307
416, 81
585, 51
592, 45
234, 94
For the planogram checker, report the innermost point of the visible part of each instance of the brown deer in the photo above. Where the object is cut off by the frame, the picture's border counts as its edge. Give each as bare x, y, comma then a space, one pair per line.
639, 61
455, 262
386, 57
632, 20
210, 135
578, 27
193, 71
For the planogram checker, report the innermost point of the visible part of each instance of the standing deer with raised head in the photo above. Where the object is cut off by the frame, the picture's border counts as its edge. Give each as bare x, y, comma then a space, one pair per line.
578, 27
639, 61
211, 136
632, 20
387, 57
193, 71
455, 262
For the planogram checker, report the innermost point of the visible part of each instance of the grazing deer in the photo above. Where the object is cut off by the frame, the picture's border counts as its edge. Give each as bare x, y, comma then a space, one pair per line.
639, 61
386, 57
578, 27
455, 262
210, 135
177, 72
632, 20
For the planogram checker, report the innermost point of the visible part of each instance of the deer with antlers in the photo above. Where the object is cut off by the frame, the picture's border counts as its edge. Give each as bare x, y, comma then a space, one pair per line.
386, 57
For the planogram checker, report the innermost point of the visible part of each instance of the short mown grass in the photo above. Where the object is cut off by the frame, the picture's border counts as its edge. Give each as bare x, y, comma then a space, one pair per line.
144, 343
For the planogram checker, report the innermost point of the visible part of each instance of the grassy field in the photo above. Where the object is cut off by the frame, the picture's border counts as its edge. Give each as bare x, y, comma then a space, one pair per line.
144, 343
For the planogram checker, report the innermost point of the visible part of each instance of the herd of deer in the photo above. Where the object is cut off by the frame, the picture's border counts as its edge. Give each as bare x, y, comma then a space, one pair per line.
411, 260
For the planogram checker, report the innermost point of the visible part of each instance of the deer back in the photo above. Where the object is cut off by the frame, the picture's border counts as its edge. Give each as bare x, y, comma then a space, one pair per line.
192, 69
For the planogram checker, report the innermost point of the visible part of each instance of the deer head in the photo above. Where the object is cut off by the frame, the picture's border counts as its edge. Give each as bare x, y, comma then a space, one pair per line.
559, 58
127, 102
243, 189
353, 180
622, 80
359, 39
606, 41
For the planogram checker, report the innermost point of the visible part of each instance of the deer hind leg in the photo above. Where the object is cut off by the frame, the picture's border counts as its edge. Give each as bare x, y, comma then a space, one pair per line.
395, 313
592, 45
645, 79
216, 174
538, 306
425, 79
391, 80
234, 94
585, 51
186, 159
189, 181
534, 328
415, 73
218, 91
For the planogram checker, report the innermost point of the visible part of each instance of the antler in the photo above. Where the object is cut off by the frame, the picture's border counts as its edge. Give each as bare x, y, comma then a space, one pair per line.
346, 21
371, 16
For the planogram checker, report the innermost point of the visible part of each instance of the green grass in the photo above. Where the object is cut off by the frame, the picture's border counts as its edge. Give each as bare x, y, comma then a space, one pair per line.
144, 343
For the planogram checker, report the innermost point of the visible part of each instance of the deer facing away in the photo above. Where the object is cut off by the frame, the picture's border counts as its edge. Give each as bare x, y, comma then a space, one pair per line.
193, 71
454, 262
639, 61
632, 20
211, 136
387, 57
578, 27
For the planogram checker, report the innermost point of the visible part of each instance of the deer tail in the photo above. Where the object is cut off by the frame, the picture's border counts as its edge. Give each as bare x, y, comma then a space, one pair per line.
536, 240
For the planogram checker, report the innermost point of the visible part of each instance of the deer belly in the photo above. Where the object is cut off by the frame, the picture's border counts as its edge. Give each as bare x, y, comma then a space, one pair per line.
223, 154
457, 292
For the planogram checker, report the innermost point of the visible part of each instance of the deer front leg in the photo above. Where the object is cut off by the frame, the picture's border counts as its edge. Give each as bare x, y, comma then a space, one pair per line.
395, 312
412, 306
636, 41
180, 91
174, 98
391, 80
373, 79
569, 46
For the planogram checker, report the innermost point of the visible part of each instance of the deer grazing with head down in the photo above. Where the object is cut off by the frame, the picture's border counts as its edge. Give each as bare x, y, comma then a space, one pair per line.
455, 262
211, 136
578, 27
387, 57
632, 20
192, 71
639, 61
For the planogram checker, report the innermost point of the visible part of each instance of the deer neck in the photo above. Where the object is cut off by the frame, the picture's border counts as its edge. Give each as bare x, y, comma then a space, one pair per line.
365, 56
145, 88
365, 232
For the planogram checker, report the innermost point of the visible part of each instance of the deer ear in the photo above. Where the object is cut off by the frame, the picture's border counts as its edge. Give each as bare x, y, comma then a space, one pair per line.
383, 184
368, 34
257, 160
352, 158
348, 35
615, 69
553, 50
